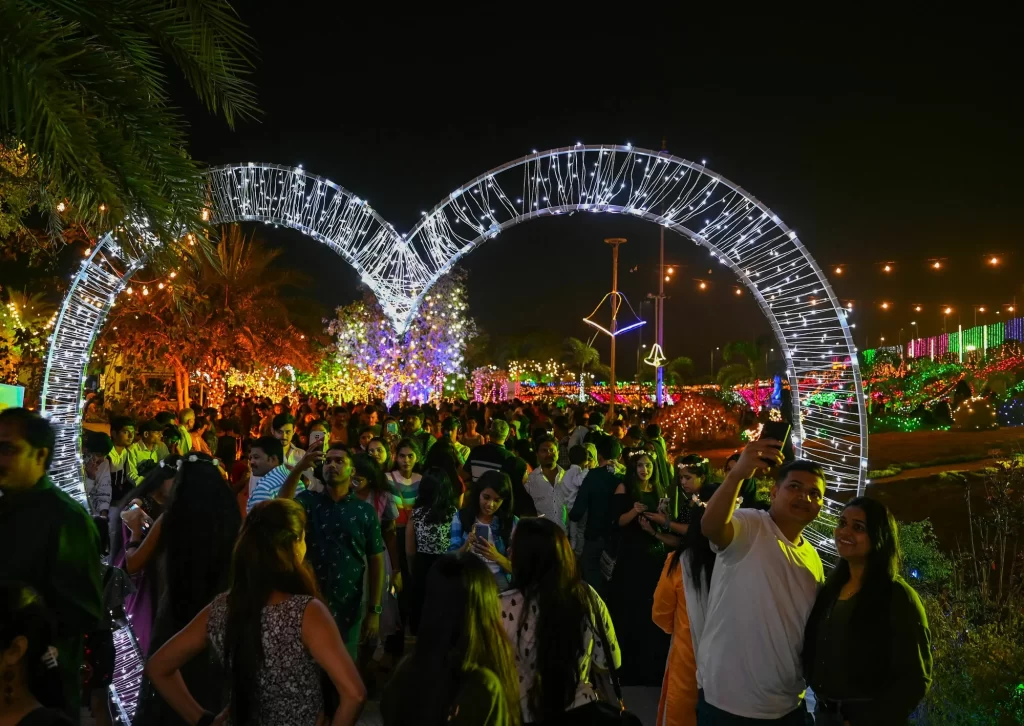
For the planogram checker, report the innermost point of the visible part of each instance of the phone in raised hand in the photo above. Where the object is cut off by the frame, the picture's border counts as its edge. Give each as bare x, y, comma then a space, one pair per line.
316, 439
778, 431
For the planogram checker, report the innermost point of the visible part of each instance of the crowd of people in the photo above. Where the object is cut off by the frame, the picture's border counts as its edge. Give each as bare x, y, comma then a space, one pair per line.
277, 560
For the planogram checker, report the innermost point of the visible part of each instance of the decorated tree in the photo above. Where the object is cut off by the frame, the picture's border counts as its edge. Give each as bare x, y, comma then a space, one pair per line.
371, 360
231, 310
25, 325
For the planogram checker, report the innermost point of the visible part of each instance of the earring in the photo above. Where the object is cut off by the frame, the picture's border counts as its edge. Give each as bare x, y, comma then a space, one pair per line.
8, 678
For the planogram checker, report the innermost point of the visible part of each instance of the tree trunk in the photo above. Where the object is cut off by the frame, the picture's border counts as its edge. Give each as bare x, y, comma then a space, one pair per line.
178, 390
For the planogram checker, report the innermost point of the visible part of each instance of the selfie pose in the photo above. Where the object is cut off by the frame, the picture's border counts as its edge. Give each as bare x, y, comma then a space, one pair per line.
867, 647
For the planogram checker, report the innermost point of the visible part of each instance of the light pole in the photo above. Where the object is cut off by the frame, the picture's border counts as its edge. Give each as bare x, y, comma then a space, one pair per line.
614, 242
713, 362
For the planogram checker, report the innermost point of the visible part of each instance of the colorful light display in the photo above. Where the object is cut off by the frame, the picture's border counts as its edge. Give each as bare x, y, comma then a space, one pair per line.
962, 343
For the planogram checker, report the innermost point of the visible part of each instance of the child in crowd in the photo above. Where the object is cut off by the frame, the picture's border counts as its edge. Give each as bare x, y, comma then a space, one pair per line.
565, 495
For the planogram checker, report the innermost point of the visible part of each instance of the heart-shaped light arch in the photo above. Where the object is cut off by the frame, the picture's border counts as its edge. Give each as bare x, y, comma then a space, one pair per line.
739, 232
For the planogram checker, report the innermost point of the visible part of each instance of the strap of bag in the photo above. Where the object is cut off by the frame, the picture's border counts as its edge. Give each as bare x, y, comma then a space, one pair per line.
613, 674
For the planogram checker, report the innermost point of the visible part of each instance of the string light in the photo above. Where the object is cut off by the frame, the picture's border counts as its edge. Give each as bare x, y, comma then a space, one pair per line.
400, 269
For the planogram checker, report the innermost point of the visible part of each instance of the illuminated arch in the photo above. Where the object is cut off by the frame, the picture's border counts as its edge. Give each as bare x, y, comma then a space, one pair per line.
739, 232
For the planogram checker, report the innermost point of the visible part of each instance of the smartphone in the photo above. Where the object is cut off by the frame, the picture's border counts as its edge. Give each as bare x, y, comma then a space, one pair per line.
145, 522
392, 427
316, 438
482, 531
778, 430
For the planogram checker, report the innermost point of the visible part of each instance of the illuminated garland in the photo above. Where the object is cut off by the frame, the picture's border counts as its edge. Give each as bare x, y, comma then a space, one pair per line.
740, 233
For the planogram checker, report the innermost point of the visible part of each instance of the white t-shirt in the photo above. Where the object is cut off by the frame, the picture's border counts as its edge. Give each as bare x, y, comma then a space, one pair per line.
696, 606
762, 592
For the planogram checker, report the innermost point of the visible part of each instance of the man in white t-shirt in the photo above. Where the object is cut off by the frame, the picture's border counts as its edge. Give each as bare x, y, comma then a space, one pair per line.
765, 582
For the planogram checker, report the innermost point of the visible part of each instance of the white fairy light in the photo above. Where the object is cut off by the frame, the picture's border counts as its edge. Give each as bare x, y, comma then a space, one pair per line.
400, 269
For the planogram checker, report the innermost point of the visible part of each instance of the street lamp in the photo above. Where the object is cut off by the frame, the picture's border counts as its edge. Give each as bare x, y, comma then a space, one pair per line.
945, 314
713, 362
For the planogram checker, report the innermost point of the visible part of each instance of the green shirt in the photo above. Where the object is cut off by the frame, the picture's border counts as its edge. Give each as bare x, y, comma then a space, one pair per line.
50, 543
340, 537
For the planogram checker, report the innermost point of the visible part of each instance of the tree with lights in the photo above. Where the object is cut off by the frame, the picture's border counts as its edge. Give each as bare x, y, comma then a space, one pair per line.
228, 310
25, 325
371, 360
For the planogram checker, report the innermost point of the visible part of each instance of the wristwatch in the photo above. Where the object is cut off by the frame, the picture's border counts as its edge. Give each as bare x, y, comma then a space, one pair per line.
377, 609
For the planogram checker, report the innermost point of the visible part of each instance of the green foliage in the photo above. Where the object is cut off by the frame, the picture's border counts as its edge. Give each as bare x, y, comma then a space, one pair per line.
924, 564
84, 88
975, 609
584, 357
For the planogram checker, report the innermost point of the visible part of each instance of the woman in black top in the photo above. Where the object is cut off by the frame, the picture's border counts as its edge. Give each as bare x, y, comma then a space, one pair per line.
867, 648
639, 505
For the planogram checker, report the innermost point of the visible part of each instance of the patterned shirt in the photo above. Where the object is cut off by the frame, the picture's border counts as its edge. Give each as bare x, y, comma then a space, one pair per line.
268, 486
340, 537
522, 632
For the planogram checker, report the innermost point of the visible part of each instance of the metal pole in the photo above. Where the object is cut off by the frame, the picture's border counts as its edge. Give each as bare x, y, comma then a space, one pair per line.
614, 242
659, 318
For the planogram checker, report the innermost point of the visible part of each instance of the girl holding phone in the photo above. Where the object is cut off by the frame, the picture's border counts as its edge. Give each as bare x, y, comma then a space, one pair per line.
485, 524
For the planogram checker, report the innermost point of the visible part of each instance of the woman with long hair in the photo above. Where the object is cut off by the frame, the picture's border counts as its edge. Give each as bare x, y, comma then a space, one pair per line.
442, 455
270, 632
462, 671
680, 605
641, 554
485, 523
428, 535
405, 485
138, 510
691, 485
379, 452
867, 651
194, 539
33, 693
557, 625
370, 485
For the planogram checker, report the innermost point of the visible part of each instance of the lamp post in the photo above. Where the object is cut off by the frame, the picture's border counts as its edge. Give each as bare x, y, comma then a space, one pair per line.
713, 362
614, 242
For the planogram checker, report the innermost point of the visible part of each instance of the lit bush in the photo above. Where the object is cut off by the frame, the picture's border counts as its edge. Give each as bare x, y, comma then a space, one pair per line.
975, 414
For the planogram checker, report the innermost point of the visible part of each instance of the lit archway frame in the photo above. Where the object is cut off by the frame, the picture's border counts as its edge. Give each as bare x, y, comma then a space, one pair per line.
739, 232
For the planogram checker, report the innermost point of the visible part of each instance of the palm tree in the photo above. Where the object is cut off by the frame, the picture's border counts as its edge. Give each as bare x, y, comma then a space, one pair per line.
581, 356
84, 98
745, 363
678, 370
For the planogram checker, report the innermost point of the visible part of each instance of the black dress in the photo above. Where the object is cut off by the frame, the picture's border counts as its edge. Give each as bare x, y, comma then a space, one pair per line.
637, 570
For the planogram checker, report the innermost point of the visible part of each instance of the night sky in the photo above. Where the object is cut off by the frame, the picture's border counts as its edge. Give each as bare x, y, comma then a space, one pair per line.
884, 142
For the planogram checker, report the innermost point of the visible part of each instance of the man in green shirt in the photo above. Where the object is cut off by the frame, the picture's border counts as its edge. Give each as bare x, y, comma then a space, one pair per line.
48, 541
343, 538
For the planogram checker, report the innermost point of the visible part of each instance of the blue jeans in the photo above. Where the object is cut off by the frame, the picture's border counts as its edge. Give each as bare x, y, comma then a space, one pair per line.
708, 715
